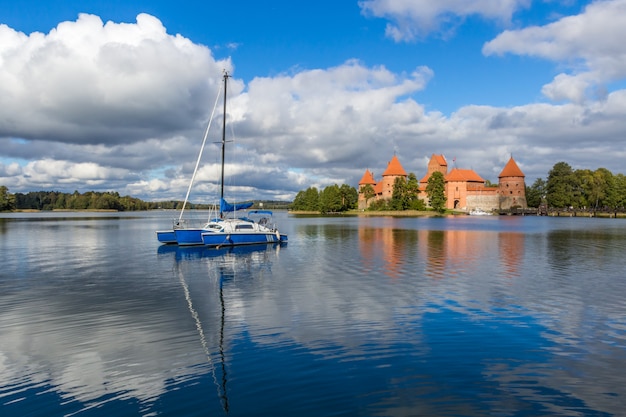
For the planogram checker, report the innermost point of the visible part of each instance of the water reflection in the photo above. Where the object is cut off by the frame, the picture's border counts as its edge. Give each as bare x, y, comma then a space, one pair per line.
441, 253
230, 269
122, 344
395, 248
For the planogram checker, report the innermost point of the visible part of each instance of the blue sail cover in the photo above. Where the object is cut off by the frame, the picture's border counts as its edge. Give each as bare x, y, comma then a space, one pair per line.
226, 207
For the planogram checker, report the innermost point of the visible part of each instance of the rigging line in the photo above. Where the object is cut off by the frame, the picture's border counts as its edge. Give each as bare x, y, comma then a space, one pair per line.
195, 170
203, 341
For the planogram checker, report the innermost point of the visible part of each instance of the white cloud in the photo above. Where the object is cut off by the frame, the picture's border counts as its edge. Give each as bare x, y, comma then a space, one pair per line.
589, 44
415, 19
89, 82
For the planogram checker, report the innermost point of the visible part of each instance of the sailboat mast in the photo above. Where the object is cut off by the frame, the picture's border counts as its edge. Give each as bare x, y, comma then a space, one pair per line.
223, 141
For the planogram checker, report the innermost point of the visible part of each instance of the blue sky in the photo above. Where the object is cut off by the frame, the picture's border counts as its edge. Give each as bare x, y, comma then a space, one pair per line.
118, 98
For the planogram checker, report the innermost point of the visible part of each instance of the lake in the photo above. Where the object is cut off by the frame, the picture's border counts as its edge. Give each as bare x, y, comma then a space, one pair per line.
355, 316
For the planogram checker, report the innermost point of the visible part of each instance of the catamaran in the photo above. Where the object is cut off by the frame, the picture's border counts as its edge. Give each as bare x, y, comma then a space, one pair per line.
225, 228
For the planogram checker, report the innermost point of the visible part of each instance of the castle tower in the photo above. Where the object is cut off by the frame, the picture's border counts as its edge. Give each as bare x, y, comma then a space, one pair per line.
393, 171
437, 163
511, 186
368, 178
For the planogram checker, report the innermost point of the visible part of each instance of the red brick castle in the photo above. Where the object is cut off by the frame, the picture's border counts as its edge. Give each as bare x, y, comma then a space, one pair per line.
464, 188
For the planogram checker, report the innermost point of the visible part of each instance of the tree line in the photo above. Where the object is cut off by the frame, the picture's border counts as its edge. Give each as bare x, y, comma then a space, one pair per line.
108, 200
580, 189
91, 200
332, 199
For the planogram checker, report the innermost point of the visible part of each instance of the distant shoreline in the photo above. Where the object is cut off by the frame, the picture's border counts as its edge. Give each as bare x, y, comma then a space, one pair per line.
64, 211
417, 213
386, 213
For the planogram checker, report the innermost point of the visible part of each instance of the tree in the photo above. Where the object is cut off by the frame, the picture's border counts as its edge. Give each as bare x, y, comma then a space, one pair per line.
307, 200
378, 205
349, 197
619, 184
368, 192
560, 186
399, 194
413, 190
7, 200
406, 194
603, 190
330, 199
536, 193
435, 189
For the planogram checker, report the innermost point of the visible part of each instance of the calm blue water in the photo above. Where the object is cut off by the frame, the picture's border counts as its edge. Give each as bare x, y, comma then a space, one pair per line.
468, 316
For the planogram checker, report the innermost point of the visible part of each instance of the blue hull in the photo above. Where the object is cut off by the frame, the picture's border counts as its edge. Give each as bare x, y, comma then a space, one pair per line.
166, 236
189, 237
236, 239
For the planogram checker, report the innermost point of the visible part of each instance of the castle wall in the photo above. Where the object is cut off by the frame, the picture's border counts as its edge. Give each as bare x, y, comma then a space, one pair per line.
513, 201
483, 201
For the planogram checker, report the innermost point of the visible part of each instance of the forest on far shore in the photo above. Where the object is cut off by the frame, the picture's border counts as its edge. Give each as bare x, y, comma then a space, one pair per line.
92, 200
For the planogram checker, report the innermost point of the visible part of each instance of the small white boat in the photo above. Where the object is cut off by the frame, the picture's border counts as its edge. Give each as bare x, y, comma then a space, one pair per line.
479, 212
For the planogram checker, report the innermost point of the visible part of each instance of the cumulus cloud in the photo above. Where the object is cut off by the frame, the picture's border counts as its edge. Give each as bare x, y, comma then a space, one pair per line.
589, 44
415, 19
88, 82
324, 116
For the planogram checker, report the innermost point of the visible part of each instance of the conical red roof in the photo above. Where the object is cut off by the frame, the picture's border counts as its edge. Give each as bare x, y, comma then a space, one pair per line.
368, 178
394, 168
511, 170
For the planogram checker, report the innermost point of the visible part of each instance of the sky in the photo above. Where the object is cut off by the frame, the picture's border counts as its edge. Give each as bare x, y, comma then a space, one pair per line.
116, 95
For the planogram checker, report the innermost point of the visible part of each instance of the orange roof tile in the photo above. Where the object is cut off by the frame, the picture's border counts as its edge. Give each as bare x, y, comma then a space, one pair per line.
378, 188
511, 170
394, 168
368, 178
468, 175
441, 160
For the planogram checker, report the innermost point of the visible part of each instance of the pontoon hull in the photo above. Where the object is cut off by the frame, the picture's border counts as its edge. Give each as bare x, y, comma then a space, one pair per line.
166, 236
189, 237
236, 239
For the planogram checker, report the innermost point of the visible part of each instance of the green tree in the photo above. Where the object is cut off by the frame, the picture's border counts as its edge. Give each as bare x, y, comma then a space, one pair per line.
398, 197
619, 184
536, 193
330, 199
582, 186
405, 194
368, 192
603, 189
412, 193
378, 205
307, 200
349, 197
561, 186
435, 189
7, 200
